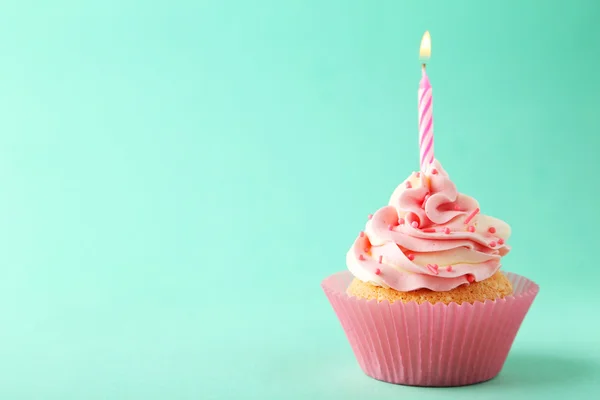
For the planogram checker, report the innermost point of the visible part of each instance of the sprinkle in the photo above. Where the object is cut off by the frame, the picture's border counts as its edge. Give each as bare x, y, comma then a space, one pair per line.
449, 268
411, 257
456, 207
390, 227
500, 241
377, 271
362, 234
418, 174
470, 278
380, 259
414, 224
492, 244
361, 257
401, 221
471, 228
433, 268
492, 229
370, 216
446, 231
434, 171
408, 185
429, 230
470, 217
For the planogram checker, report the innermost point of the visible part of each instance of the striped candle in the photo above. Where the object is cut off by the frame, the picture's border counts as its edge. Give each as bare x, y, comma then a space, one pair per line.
425, 121
425, 107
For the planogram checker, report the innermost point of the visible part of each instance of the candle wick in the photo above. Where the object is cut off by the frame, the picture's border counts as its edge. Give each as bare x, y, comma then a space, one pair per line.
423, 66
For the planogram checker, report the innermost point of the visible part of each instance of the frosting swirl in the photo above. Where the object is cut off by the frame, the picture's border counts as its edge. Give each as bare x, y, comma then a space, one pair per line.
429, 236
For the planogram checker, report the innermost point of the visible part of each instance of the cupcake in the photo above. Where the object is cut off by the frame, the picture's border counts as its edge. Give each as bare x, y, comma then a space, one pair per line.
424, 301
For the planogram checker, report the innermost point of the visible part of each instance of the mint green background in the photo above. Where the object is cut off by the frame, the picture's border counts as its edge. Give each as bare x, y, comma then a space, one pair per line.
177, 178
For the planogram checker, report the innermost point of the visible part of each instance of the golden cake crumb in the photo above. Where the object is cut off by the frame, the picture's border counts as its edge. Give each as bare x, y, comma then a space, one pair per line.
495, 287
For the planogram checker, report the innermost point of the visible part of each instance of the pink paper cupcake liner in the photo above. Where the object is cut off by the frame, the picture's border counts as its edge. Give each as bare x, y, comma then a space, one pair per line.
430, 345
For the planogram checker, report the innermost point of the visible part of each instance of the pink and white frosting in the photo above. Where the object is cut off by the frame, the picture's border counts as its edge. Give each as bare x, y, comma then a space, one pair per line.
429, 236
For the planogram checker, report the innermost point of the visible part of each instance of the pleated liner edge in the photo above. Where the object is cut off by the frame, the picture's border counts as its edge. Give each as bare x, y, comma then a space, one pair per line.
430, 345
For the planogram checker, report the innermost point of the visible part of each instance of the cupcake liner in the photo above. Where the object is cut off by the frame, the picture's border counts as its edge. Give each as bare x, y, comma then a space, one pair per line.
430, 345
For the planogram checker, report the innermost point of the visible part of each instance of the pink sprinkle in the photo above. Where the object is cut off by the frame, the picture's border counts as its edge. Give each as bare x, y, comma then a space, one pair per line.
390, 227
471, 228
433, 269
492, 244
380, 259
401, 221
411, 257
408, 185
470, 278
361, 257
449, 268
500, 241
362, 234
434, 171
377, 271
429, 230
470, 217
456, 207
370, 216
446, 231
418, 174
492, 229
414, 224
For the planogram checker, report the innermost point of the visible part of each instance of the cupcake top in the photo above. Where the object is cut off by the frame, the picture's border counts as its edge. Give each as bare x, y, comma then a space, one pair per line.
429, 236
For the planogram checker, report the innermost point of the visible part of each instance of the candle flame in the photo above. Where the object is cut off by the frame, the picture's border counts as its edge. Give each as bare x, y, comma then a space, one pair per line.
425, 50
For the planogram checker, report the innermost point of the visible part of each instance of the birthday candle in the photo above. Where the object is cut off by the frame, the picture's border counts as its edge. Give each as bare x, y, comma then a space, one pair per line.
425, 108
